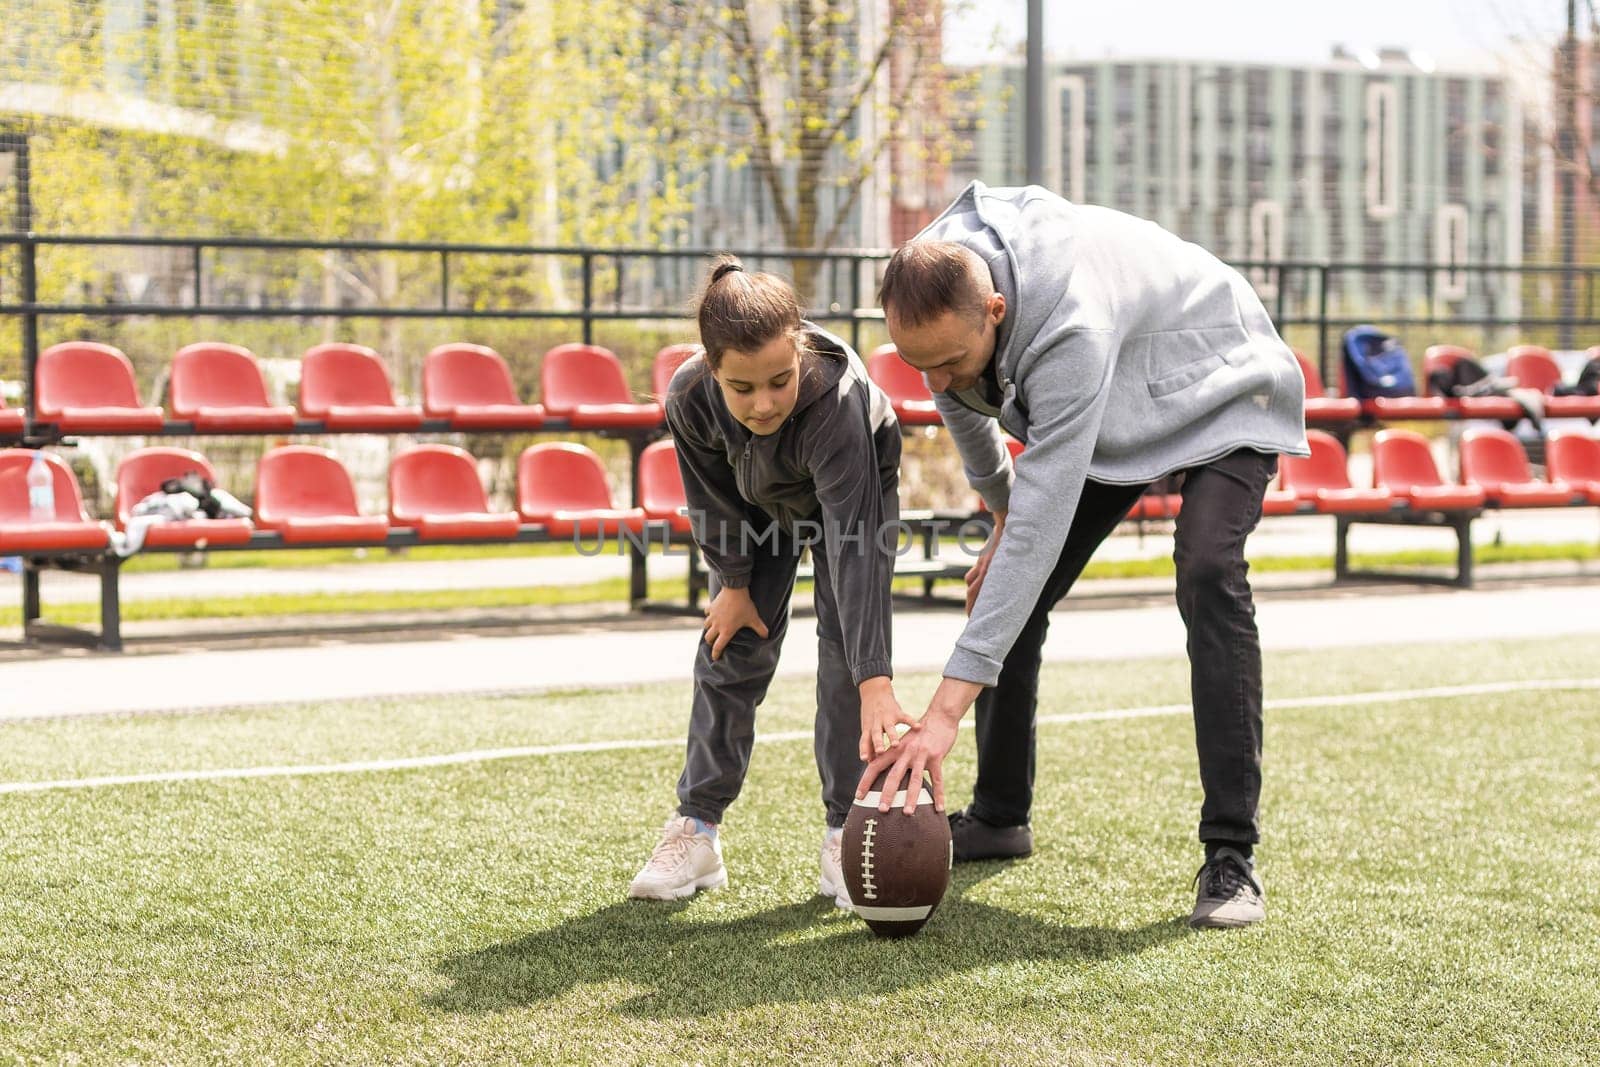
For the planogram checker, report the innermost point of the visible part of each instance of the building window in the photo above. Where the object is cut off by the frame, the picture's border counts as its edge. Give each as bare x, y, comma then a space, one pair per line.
1382, 150
1266, 245
1456, 133
1068, 104
1450, 251
1123, 78
1187, 121
1154, 148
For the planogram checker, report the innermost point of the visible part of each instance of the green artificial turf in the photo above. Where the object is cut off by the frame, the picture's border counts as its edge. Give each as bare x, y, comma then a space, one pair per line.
1432, 866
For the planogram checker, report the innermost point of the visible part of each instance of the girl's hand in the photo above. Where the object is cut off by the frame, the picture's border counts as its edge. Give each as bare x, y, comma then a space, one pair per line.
881, 714
729, 612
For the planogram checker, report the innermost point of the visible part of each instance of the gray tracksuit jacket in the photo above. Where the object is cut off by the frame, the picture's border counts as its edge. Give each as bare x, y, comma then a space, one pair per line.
835, 463
1126, 354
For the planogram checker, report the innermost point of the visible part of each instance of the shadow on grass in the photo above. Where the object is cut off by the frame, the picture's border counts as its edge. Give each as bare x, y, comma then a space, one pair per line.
802, 952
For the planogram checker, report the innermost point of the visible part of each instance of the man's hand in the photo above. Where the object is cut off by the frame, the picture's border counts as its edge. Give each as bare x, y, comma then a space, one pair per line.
880, 715
730, 611
980, 570
924, 749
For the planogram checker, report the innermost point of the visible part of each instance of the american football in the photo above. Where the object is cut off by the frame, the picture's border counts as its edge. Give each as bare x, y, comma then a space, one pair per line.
896, 866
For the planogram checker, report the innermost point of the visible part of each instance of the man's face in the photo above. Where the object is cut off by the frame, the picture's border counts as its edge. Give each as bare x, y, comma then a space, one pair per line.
951, 349
761, 388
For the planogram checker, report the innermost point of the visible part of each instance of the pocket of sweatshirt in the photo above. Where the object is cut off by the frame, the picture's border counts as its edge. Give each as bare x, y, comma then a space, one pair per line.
1186, 375
1209, 348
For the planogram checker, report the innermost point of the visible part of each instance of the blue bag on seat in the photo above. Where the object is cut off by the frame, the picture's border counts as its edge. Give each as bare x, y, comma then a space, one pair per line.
1376, 365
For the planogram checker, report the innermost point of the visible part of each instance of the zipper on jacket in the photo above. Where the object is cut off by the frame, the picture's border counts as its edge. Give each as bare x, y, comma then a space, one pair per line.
741, 471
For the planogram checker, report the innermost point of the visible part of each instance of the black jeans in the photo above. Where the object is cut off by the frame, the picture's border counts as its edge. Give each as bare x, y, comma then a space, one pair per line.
1221, 505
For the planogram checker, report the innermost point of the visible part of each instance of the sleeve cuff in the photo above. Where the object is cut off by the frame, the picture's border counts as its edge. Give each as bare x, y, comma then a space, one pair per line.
969, 666
996, 492
734, 581
872, 668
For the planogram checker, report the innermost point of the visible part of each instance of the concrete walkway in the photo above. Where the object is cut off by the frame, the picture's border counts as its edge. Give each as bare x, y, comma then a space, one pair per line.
588, 654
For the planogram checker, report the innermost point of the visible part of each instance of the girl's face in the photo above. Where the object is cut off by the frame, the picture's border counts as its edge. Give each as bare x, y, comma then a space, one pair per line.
761, 387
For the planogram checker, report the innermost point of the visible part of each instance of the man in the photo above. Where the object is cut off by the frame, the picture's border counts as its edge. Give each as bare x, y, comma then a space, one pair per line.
1119, 354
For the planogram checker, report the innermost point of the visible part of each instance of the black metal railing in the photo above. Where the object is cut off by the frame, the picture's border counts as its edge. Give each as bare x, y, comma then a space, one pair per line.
654, 284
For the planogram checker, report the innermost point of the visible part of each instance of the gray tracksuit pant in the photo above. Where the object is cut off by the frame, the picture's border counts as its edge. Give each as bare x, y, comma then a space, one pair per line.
726, 691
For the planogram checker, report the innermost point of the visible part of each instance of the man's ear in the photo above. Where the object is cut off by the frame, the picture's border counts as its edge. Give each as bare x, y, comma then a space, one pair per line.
996, 308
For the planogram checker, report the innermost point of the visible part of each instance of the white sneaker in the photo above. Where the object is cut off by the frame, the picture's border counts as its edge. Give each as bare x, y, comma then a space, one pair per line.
683, 863
832, 883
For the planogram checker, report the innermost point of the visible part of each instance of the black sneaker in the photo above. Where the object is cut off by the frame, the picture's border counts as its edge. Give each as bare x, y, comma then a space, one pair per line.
1228, 892
973, 839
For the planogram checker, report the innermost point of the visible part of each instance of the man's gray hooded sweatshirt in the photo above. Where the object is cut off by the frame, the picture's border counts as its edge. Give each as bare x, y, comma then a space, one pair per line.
1125, 354
833, 464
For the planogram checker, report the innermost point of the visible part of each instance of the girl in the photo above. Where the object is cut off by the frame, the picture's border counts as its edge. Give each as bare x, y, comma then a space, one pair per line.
780, 435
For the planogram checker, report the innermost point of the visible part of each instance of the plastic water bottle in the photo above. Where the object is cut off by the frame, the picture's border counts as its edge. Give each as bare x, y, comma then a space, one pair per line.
41, 490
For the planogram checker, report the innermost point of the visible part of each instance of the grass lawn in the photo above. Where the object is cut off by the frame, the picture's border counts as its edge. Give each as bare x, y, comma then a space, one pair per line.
1432, 866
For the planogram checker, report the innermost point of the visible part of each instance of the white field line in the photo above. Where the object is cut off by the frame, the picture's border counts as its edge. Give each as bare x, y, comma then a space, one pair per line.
487, 755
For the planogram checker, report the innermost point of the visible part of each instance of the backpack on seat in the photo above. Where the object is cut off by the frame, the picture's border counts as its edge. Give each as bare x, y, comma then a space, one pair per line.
1588, 383
1467, 377
1376, 365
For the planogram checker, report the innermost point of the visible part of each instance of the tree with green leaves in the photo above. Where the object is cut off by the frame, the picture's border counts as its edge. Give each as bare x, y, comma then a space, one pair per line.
500, 121
824, 88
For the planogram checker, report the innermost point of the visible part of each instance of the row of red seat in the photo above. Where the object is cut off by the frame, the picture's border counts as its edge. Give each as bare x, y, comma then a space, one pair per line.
84, 387
1495, 472
1533, 368
1530, 366
306, 496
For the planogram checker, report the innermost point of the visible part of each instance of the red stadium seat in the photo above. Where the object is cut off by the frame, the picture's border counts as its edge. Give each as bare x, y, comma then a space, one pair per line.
12, 421
1408, 407
661, 493
1396, 408
908, 393
220, 389
1403, 463
435, 489
1320, 407
1323, 479
85, 387
1494, 459
471, 386
71, 528
306, 495
1399, 407
584, 384
1280, 501
562, 487
141, 473
1534, 368
1573, 459
668, 360
1444, 357
346, 388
